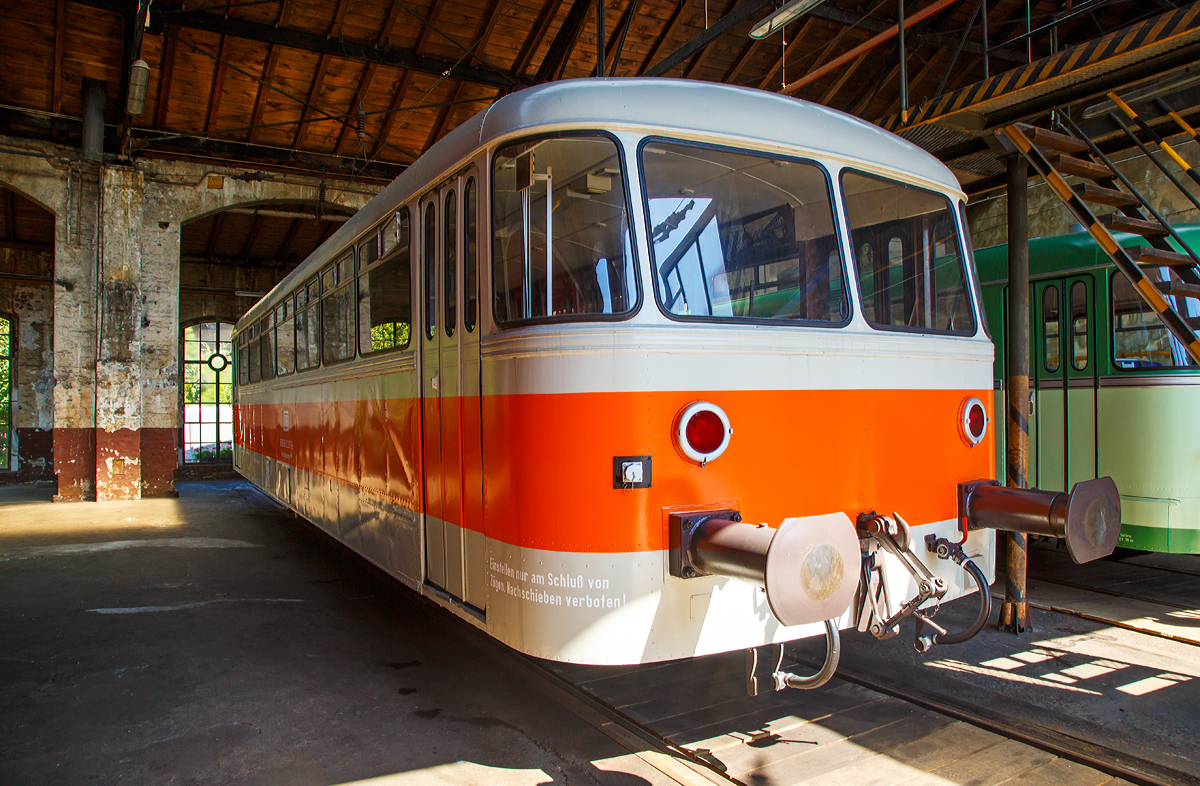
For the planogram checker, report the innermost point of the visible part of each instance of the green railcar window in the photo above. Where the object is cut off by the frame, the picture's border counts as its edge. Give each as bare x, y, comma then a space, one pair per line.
1079, 326
1051, 341
1140, 340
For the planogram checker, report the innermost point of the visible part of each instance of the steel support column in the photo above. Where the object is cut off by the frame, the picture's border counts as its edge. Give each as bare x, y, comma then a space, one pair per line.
1014, 614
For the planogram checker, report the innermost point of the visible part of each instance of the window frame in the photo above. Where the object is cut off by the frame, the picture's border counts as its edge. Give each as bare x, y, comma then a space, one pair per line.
288, 304
839, 232
308, 306
376, 232
350, 251
470, 222
634, 262
963, 258
11, 357
1111, 333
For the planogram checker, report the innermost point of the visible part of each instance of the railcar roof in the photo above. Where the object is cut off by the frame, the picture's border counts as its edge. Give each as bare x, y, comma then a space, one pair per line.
674, 105
1077, 250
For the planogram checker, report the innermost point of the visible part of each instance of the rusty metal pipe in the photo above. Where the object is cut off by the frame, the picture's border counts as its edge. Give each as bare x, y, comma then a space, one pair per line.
732, 548
1088, 518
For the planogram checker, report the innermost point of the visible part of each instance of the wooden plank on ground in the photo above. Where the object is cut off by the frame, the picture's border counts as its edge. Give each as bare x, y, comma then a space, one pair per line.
949, 744
989, 767
805, 738
1060, 772
829, 761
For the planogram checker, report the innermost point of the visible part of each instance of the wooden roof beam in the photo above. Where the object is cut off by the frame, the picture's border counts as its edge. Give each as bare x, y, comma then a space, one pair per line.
667, 34
769, 76
60, 36
280, 35
727, 21
564, 42
536, 35
406, 80
256, 116
214, 105
364, 85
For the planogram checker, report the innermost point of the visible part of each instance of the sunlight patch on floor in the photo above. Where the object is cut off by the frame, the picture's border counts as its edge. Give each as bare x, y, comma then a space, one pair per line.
466, 773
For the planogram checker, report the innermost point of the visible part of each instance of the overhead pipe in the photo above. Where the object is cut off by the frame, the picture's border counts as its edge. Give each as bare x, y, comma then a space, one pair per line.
867, 45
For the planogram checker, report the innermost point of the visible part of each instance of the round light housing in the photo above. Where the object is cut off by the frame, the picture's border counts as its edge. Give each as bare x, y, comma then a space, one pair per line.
703, 432
973, 421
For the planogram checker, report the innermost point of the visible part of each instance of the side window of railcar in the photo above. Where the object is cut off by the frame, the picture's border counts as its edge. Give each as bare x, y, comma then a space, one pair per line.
243, 360
448, 262
308, 326
741, 235
1051, 339
470, 257
254, 350
560, 231
337, 309
1079, 326
285, 339
266, 329
429, 237
916, 279
1140, 340
385, 290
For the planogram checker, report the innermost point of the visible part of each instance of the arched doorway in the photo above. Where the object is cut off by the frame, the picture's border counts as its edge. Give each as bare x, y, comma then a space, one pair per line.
207, 393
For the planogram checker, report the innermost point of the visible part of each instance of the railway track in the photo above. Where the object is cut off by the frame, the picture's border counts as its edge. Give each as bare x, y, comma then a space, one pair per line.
855, 730
1160, 600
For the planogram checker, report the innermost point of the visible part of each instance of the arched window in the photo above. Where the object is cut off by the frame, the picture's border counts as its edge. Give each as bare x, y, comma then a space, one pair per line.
207, 393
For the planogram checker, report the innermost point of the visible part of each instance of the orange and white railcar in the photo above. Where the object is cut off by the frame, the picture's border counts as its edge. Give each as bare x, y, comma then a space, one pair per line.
600, 303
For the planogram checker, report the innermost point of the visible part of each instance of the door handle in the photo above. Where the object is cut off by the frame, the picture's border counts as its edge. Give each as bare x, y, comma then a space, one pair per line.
434, 383
1032, 403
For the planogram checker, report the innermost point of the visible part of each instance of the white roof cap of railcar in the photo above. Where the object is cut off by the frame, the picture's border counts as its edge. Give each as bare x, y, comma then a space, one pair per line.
683, 105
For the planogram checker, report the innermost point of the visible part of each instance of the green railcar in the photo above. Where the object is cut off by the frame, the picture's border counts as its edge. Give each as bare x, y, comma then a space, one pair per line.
1113, 393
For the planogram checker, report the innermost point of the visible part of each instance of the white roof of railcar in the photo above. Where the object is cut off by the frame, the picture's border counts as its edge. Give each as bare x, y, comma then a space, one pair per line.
679, 105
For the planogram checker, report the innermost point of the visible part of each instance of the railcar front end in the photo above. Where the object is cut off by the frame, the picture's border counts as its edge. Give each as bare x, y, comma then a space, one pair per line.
621, 382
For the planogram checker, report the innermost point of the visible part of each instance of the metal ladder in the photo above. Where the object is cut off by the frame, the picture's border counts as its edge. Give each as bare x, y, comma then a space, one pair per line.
1069, 152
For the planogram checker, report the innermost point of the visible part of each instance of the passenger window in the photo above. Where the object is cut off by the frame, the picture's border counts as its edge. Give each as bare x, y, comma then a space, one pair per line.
254, 350
285, 338
266, 329
243, 361
1079, 326
448, 261
385, 292
368, 250
1140, 340
1050, 335
430, 271
337, 310
470, 257
308, 327
561, 231
740, 235
922, 283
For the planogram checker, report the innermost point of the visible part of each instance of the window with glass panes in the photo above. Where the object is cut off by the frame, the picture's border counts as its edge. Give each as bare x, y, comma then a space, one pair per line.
207, 393
7, 405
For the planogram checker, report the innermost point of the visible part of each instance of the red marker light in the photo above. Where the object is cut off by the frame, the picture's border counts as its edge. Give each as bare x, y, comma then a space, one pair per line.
702, 432
974, 421
705, 432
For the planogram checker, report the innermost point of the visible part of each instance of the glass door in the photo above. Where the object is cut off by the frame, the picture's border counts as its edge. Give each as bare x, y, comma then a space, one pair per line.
1063, 426
207, 393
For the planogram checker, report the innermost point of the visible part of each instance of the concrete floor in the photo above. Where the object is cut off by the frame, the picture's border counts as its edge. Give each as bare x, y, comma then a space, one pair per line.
213, 638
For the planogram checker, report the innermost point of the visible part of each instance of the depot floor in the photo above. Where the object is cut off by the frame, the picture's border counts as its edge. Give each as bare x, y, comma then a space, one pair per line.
215, 639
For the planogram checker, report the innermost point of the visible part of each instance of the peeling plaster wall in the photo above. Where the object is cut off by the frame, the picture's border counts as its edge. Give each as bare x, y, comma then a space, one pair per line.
1049, 217
114, 396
